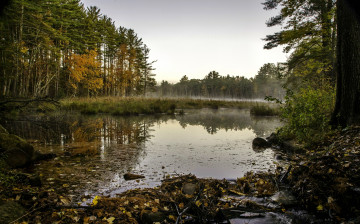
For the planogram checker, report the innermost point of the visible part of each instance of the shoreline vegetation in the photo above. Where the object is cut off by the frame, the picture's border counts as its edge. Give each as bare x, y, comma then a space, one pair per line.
121, 106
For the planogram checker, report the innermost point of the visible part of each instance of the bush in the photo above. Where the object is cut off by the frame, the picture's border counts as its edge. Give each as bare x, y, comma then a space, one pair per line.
307, 113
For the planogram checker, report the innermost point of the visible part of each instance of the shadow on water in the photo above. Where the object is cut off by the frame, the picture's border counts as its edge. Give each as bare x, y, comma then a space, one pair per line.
96, 151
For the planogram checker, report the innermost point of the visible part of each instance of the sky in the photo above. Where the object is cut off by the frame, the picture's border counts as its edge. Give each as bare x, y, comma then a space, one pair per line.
194, 37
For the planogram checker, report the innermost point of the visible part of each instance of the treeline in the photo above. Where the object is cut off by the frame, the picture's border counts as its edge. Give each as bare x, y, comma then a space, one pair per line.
265, 83
58, 48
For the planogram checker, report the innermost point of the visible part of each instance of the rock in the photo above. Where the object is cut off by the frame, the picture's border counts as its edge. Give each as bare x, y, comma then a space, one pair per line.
273, 139
130, 176
284, 198
251, 215
15, 150
284, 145
260, 143
149, 217
38, 156
189, 188
10, 211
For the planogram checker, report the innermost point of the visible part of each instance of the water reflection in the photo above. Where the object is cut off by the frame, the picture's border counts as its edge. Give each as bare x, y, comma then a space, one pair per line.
95, 151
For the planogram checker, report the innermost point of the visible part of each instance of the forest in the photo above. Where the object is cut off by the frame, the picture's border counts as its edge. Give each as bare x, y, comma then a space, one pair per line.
60, 48
267, 82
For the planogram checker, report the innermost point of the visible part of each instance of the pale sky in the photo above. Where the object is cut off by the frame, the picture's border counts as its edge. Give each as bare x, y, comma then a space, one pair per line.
194, 37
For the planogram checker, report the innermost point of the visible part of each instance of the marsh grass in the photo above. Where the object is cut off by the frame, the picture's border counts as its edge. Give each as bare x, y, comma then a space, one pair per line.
264, 110
138, 105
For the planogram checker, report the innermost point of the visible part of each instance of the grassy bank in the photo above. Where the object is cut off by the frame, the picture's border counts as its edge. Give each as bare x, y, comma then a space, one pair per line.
136, 106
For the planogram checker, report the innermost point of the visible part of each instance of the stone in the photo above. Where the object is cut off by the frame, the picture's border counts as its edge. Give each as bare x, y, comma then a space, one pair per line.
130, 176
260, 143
38, 156
10, 211
284, 197
149, 217
15, 150
189, 188
273, 139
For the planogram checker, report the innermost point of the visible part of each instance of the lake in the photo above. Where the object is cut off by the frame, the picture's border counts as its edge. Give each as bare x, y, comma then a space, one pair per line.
96, 151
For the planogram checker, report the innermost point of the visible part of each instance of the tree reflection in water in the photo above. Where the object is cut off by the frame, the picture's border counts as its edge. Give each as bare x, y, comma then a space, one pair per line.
95, 151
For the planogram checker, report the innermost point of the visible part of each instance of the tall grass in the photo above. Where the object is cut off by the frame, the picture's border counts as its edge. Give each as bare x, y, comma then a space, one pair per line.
264, 110
139, 105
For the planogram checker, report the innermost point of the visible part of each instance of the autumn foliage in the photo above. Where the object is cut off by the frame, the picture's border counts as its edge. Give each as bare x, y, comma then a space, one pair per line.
85, 71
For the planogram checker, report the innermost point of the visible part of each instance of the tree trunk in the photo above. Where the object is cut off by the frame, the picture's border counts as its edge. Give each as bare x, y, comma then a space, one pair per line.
347, 106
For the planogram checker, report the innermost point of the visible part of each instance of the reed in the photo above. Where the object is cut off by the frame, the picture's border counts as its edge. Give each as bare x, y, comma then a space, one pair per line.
264, 110
140, 105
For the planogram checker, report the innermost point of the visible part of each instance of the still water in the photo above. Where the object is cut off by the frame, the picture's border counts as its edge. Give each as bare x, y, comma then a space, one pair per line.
94, 152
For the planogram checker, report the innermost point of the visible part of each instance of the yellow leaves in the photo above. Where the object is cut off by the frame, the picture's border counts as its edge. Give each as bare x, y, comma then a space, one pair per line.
319, 207
89, 219
85, 69
95, 201
171, 217
330, 200
64, 201
198, 203
154, 209
110, 220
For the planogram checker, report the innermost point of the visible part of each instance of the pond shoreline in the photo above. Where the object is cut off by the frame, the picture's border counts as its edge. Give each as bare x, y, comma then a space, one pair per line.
325, 204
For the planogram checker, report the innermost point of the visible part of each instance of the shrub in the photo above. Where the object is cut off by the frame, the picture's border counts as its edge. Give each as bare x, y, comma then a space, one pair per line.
307, 113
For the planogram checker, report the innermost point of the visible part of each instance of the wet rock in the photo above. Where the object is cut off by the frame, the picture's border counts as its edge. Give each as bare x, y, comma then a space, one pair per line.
149, 217
284, 145
273, 139
15, 150
10, 211
38, 156
189, 188
130, 176
251, 215
260, 143
284, 197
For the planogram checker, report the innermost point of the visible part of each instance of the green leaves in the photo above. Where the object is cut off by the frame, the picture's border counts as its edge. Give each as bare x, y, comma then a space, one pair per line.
308, 112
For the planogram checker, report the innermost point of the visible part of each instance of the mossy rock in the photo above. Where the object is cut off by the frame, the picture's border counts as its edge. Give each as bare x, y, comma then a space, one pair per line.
15, 150
10, 211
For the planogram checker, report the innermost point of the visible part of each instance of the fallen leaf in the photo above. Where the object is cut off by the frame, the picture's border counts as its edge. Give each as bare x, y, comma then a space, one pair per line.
154, 209
319, 208
95, 201
110, 220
